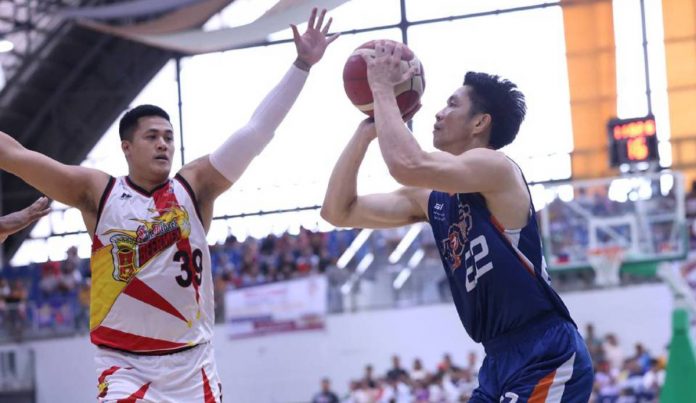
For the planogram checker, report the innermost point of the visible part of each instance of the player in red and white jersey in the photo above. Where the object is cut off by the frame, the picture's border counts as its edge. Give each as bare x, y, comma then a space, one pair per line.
151, 314
150, 256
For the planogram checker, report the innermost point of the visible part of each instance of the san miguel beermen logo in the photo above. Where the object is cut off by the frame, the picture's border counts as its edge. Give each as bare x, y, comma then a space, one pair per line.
457, 237
134, 249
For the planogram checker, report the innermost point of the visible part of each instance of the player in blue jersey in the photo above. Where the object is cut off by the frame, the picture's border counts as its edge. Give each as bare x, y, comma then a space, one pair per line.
480, 209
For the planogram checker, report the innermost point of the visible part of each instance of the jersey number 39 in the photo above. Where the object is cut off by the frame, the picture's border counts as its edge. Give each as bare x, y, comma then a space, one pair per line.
191, 267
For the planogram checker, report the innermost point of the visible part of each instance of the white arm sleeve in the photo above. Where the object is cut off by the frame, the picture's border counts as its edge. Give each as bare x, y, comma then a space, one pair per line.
237, 152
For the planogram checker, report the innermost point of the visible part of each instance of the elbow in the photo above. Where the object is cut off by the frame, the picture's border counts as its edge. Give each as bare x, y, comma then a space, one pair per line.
405, 172
331, 216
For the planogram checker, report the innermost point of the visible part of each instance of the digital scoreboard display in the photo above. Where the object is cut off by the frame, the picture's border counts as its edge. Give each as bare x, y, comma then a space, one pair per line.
632, 140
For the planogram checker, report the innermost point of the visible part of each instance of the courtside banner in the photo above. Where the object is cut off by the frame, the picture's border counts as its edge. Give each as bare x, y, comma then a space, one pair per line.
278, 307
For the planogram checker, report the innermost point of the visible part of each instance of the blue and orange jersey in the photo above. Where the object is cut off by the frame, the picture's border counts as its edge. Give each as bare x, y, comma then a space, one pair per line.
497, 276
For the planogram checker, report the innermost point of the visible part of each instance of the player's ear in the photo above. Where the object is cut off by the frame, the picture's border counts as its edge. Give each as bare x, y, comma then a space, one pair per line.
483, 122
126, 147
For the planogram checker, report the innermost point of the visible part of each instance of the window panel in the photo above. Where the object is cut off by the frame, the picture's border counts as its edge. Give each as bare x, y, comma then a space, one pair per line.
418, 10
534, 59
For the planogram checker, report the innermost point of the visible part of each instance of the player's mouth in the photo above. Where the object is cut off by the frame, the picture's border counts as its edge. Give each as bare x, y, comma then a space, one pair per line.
162, 158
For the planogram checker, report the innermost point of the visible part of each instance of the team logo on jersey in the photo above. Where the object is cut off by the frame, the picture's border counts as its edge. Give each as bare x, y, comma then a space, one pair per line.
457, 237
132, 250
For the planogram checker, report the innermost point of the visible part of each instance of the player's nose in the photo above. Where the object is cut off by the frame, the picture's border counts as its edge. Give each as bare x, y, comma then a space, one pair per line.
162, 144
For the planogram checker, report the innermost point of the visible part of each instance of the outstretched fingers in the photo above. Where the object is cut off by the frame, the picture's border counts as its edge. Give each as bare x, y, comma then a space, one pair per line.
295, 33
325, 31
321, 20
312, 18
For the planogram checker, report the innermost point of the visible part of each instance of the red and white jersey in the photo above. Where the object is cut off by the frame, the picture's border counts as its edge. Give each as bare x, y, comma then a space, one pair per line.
152, 288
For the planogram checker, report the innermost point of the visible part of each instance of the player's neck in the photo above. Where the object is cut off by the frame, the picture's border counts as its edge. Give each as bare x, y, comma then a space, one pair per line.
147, 184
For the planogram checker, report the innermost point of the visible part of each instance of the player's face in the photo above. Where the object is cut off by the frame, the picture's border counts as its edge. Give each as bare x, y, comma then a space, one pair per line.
151, 151
454, 123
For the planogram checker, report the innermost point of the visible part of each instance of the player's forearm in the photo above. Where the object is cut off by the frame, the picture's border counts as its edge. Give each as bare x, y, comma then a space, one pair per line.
399, 148
342, 193
10, 223
9, 152
233, 157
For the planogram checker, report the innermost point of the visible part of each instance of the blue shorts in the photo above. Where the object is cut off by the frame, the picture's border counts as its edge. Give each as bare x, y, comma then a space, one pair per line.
545, 362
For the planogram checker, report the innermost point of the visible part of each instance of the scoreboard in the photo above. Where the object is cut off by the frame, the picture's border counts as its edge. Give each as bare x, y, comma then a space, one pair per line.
632, 140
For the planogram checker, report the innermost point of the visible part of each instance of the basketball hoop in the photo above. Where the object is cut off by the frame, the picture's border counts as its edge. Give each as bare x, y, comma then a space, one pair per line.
606, 263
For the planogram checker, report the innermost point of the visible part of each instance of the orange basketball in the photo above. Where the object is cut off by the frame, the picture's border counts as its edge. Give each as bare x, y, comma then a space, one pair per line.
408, 93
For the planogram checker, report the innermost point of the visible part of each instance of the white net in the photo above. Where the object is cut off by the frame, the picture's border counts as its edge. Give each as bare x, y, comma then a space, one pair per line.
606, 262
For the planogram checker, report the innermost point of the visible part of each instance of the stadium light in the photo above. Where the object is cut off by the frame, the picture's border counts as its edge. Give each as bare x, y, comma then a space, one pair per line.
404, 274
5, 45
353, 248
365, 262
406, 241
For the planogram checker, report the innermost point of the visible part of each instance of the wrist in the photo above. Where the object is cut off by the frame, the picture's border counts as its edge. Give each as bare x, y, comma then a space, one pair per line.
302, 65
382, 90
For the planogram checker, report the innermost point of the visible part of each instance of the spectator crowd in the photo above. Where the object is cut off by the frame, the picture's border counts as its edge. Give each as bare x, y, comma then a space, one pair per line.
619, 378
52, 298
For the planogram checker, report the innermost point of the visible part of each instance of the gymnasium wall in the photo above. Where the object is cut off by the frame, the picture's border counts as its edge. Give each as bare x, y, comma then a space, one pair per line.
288, 367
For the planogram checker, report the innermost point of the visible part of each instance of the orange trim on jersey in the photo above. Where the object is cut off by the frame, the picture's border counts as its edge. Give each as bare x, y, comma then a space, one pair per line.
501, 229
105, 289
207, 390
104, 336
541, 390
138, 394
137, 289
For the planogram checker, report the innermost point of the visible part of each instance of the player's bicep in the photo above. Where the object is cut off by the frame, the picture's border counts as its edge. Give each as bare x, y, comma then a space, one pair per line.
478, 170
385, 210
72, 185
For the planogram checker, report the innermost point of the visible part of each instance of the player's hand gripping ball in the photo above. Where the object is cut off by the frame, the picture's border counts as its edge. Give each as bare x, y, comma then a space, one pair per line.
408, 93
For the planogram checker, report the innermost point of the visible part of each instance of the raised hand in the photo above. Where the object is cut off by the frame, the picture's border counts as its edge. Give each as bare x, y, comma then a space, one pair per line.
384, 68
312, 44
18, 220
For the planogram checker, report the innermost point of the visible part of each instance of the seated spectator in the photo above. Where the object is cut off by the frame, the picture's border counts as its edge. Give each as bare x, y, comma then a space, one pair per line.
70, 275
325, 395
395, 391
396, 372
17, 308
418, 373
445, 367
465, 382
594, 344
251, 275
606, 388
613, 352
82, 314
4, 293
369, 379
50, 278
421, 392
641, 357
653, 379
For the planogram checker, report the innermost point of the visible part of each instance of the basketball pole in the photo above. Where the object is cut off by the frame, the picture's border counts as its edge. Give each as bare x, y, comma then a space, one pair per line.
679, 384
680, 373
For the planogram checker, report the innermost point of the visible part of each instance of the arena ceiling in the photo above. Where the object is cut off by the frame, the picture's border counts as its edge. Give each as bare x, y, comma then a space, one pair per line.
64, 86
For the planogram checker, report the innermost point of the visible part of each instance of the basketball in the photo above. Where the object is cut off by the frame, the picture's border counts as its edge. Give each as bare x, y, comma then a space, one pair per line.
408, 93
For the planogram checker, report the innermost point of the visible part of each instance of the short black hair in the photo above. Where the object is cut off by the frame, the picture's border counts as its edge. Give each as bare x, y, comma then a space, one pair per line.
129, 121
501, 99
